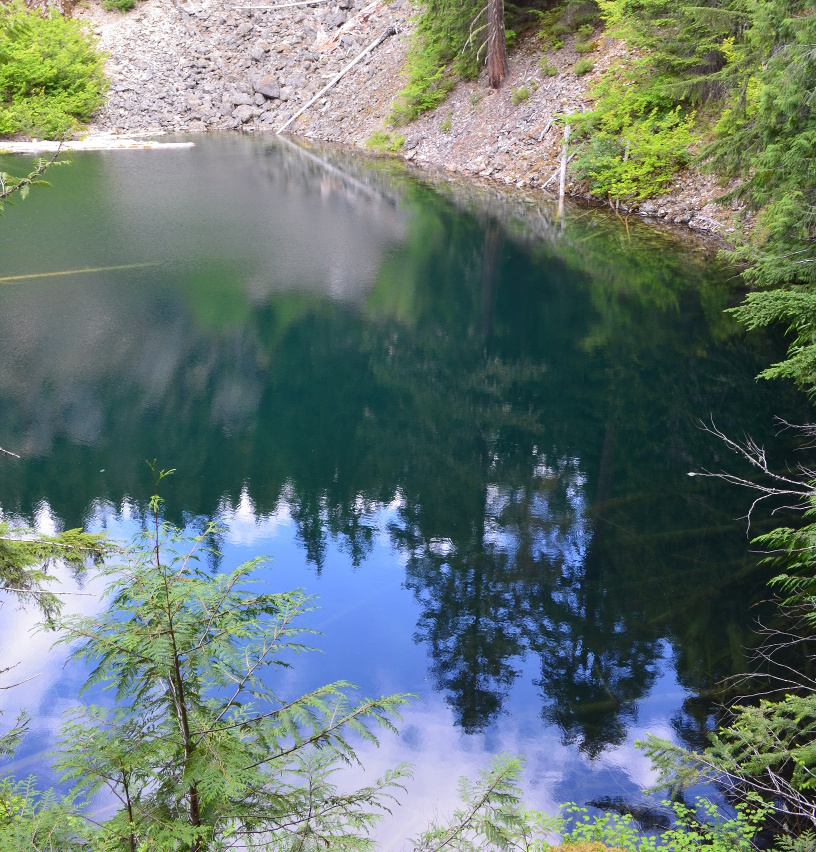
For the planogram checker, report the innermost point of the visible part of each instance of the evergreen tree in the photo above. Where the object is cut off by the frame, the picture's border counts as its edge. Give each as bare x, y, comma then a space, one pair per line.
200, 749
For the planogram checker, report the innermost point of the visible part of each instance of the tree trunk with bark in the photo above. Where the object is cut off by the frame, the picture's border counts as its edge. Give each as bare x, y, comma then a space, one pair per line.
496, 43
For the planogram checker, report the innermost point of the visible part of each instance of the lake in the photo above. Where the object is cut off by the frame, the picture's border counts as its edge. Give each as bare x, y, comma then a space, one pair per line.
463, 424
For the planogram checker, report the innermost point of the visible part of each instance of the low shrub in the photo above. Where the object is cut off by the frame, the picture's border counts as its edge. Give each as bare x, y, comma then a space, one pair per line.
585, 47
51, 73
583, 66
638, 158
121, 5
547, 68
520, 95
385, 142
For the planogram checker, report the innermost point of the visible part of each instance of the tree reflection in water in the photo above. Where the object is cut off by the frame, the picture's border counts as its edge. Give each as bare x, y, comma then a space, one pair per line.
526, 398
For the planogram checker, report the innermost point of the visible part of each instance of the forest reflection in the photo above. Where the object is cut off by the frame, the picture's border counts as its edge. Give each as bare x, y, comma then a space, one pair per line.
526, 407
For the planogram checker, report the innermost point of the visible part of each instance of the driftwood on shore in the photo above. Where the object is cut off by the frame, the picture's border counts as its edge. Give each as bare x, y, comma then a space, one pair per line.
563, 176
283, 5
95, 143
379, 40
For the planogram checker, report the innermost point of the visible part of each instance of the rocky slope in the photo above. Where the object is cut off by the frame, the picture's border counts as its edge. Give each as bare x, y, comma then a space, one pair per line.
208, 65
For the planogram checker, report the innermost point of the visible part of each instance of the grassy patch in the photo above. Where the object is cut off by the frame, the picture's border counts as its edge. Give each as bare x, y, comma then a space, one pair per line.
583, 66
547, 68
121, 5
520, 95
51, 73
385, 142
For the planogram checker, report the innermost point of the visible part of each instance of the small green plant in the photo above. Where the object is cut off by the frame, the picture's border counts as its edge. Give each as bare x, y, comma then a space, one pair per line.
492, 817
588, 47
475, 98
583, 66
9, 185
547, 68
385, 142
445, 126
121, 5
584, 32
520, 95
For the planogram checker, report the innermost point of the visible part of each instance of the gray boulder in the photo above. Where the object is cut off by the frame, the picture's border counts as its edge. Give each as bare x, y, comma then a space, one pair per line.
268, 87
243, 113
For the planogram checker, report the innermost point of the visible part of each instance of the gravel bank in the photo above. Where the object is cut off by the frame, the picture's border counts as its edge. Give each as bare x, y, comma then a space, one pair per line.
204, 65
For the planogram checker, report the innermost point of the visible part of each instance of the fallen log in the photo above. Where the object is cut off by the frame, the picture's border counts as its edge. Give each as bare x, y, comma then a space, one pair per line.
379, 40
284, 5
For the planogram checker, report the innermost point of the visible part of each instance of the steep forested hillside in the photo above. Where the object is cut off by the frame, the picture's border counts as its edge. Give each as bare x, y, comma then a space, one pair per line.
727, 86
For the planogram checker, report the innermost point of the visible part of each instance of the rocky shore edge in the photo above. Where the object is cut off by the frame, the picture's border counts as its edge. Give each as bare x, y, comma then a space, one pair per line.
209, 65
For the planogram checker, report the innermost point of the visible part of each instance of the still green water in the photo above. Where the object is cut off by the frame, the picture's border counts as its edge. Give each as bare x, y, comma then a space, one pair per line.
464, 426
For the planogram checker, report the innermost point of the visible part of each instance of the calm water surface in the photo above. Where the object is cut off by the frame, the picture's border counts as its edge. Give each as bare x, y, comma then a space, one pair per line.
464, 427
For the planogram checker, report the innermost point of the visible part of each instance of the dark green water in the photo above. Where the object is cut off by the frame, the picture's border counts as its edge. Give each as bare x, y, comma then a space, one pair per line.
466, 428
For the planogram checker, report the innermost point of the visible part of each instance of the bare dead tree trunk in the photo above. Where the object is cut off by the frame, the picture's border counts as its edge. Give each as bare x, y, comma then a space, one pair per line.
496, 43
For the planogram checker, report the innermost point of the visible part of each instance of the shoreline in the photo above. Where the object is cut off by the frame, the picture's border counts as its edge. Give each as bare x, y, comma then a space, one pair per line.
197, 66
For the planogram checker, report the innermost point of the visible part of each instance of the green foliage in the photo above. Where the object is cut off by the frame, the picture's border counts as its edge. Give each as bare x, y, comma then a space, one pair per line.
12, 738
26, 557
445, 125
31, 821
574, 16
200, 749
587, 47
442, 48
385, 142
547, 68
697, 828
121, 5
520, 95
583, 66
492, 817
626, 158
51, 74
650, 106
449, 43
741, 72
796, 309
9, 185
768, 137
768, 747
